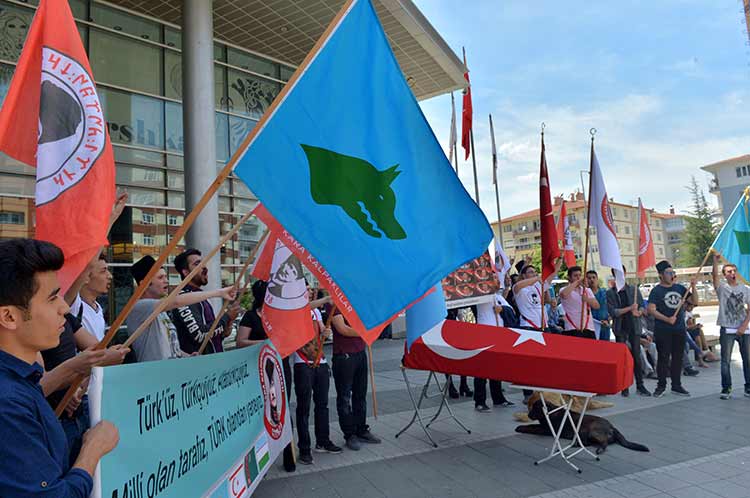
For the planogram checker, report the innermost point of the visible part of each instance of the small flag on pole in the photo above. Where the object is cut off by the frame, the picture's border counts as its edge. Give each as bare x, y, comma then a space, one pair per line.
601, 218
550, 243
646, 256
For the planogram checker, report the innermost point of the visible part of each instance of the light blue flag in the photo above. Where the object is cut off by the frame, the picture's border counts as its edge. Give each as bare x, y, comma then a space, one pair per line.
348, 164
425, 314
733, 241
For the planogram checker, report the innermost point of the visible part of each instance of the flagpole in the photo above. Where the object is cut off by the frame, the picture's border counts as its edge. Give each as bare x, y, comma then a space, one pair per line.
210, 192
453, 146
224, 308
637, 256
473, 156
541, 284
592, 131
497, 187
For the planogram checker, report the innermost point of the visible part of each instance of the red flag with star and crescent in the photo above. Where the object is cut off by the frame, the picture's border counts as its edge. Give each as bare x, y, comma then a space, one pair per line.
52, 120
550, 242
466, 115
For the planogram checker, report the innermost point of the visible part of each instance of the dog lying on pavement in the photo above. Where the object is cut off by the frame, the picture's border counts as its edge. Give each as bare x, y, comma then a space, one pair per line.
594, 431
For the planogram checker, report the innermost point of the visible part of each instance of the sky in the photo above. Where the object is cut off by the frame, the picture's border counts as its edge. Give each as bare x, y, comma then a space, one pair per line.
665, 84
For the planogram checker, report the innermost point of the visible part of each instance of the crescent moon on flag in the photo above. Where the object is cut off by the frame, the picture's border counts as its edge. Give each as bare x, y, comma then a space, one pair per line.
435, 342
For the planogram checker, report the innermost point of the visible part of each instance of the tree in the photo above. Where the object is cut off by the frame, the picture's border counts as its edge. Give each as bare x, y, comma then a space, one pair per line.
700, 229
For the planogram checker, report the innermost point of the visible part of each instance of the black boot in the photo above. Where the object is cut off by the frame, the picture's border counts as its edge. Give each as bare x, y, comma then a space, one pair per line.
452, 392
464, 389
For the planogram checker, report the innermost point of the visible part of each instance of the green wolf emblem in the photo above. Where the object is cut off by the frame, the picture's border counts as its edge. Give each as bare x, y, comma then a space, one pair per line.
360, 189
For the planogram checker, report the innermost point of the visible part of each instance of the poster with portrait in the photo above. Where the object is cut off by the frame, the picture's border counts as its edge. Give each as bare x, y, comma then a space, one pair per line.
472, 283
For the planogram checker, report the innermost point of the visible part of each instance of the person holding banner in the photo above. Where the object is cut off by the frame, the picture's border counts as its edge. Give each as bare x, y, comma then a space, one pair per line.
665, 304
733, 320
33, 446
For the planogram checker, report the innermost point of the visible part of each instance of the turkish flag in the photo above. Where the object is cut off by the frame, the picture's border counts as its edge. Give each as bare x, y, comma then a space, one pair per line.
326, 280
466, 116
565, 237
550, 242
286, 307
523, 357
646, 256
52, 120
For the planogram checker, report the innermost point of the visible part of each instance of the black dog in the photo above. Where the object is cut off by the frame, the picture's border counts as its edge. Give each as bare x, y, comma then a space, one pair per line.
595, 431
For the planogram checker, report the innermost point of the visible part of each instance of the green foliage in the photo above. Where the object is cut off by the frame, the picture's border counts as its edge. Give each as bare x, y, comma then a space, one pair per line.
700, 229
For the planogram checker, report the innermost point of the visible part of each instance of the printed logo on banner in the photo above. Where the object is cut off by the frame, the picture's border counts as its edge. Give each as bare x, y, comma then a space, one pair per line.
606, 213
237, 485
257, 459
72, 132
274, 392
286, 286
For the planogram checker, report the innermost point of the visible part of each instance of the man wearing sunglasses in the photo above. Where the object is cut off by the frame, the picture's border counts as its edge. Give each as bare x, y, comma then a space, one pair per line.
665, 303
733, 320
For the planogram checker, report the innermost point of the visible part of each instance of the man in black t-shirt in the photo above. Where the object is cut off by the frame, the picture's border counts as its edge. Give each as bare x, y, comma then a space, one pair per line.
665, 303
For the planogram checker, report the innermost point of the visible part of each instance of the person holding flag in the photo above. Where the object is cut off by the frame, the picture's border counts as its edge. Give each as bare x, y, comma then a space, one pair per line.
528, 296
578, 301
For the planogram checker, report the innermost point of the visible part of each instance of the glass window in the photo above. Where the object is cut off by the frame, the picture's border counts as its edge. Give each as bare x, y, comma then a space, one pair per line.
125, 62
241, 189
133, 119
139, 177
122, 21
739, 172
172, 74
286, 73
220, 52
12, 218
242, 206
222, 137
627, 230
252, 63
175, 181
14, 24
744, 171
220, 87
6, 74
175, 162
238, 130
176, 200
224, 204
250, 95
17, 184
10, 165
175, 138
172, 37
145, 197
137, 156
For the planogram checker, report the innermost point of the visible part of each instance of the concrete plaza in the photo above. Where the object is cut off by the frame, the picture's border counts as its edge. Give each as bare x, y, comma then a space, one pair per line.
700, 447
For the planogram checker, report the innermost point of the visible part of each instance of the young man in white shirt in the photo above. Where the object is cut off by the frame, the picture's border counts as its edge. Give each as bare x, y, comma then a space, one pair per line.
85, 306
733, 319
528, 296
576, 298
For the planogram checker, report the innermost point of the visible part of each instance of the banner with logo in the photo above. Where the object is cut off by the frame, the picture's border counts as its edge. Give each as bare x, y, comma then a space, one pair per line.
208, 426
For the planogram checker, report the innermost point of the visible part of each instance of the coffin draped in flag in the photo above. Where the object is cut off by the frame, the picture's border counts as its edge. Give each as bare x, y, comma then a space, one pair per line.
348, 164
646, 256
52, 120
565, 236
733, 241
524, 357
601, 217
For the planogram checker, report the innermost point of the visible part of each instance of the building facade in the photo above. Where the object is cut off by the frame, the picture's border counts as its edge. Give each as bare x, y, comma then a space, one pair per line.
521, 234
730, 178
169, 70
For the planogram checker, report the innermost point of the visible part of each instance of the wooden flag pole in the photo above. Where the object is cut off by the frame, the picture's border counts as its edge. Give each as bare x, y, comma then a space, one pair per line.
185, 281
592, 131
319, 352
226, 304
211, 191
497, 193
372, 381
695, 275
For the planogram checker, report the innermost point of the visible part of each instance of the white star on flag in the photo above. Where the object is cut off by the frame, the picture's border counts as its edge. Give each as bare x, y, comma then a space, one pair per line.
528, 335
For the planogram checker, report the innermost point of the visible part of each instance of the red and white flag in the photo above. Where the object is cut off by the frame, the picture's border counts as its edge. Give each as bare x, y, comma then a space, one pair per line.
600, 216
52, 120
453, 140
550, 243
286, 308
646, 256
467, 115
563, 233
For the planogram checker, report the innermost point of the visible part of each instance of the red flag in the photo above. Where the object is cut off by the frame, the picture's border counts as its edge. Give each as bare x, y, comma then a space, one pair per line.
286, 308
52, 120
326, 280
646, 257
550, 243
565, 237
262, 266
466, 116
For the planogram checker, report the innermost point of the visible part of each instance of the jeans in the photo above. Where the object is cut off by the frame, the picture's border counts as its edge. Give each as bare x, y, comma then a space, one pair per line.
480, 391
350, 377
604, 333
75, 426
311, 384
727, 344
670, 347
634, 345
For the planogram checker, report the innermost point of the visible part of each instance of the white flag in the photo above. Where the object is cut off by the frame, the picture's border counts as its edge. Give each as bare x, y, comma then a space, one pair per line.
452, 141
494, 154
502, 262
600, 216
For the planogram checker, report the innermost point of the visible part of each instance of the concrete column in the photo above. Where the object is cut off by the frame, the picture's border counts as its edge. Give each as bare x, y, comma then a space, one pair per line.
199, 126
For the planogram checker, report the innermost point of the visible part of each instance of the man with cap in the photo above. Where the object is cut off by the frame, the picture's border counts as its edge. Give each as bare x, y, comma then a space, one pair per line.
665, 303
159, 341
193, 321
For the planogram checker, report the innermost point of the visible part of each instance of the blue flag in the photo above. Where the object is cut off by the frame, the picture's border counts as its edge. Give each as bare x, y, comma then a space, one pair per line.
733, 241
425, 314
348, 164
